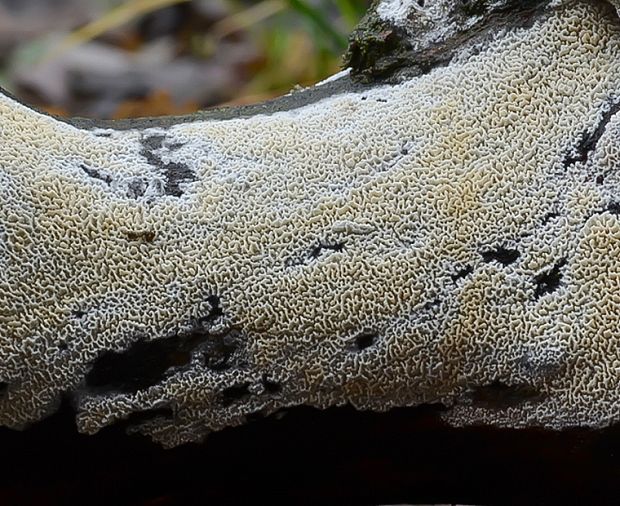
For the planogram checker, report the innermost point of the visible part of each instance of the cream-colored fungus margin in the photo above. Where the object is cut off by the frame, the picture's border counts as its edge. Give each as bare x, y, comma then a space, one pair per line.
382, 248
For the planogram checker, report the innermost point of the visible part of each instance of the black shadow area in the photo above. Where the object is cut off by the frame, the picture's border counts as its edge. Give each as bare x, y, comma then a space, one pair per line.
313, 457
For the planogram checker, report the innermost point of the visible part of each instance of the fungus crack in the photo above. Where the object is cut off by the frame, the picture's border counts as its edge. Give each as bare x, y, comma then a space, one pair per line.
175, 173
588, 141
97, 174
549, 281
502, 255
316, 252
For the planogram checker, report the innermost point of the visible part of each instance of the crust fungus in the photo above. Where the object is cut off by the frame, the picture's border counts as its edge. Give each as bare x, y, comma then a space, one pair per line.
435, 225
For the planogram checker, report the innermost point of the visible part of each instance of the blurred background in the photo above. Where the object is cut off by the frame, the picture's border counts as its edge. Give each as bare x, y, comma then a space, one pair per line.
131, 58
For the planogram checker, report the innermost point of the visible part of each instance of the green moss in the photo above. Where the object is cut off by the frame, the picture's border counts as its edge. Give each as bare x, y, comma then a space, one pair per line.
377, 48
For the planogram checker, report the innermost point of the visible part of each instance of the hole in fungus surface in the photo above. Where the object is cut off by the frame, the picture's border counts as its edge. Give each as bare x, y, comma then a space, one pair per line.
588, 141
143, 364
271, 387
235, 393
549, 281
421, 3
462, 273
146, 363
600, 179
499, 395
502, 255
316, 252
365, 340
4, 386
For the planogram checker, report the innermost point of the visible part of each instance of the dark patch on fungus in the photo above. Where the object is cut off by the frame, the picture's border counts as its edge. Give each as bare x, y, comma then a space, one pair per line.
365, 340
143, 364
551, 364
462, 273
588, 140
4, 386
549, 281
136, 188
152, 143
502, 255
271, 387
474, 7
176, 173
549, 216
146, 363
600, 179
499, 395
613, 208
235, 393
146, 236
215, 312
316, 252
431, 304
219, 351
139, 417
95, 174
78, 313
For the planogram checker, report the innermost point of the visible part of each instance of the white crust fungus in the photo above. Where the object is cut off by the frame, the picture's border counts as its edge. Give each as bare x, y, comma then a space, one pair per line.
452, 238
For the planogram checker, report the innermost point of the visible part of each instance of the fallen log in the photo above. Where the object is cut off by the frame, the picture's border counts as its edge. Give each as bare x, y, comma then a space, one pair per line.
437, 224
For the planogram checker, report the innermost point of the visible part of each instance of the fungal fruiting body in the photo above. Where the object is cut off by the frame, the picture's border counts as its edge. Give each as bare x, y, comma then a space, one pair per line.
449, 234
